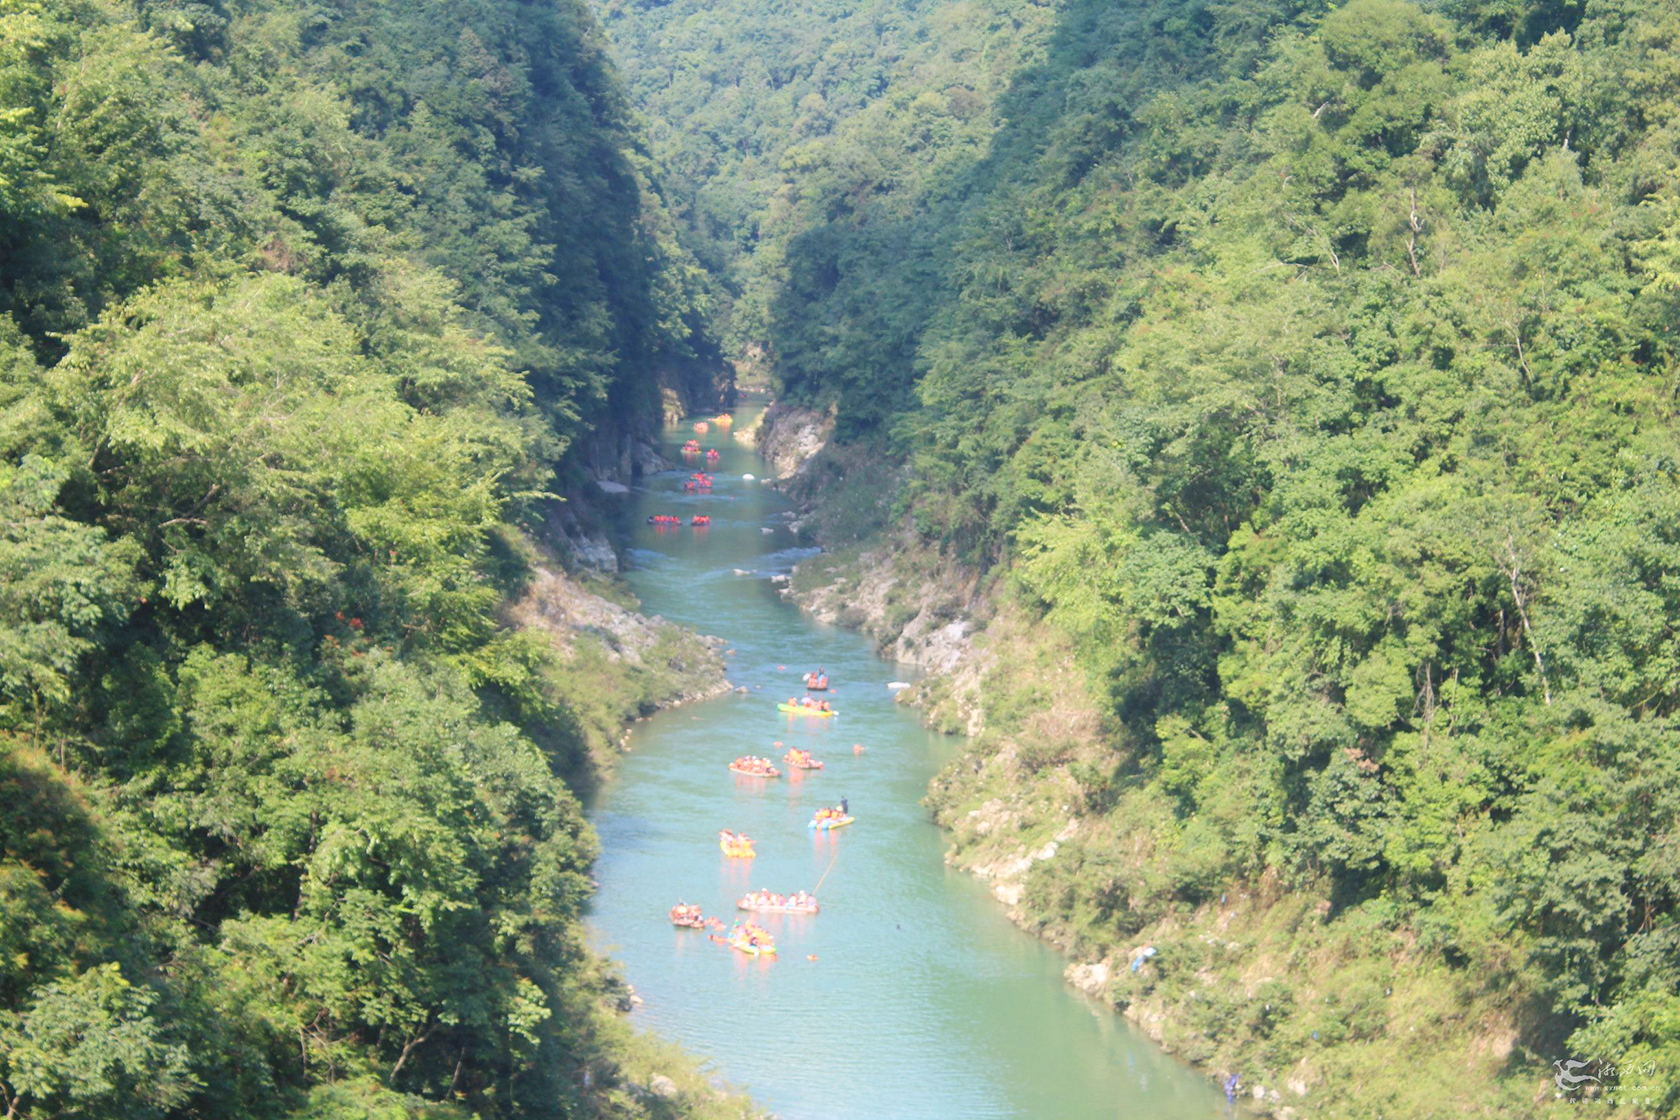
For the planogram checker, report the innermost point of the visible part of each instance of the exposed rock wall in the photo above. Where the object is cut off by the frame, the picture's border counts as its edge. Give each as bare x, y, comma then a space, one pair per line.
791, 436
633, 664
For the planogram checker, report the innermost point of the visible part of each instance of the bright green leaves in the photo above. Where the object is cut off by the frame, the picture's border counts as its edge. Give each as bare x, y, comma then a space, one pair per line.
1344, 819
1379, 688
121, 190
1392, 55
251, 741
1443, 784
1188, 758
217, 425
1544, 295
116, 128
91, 1046
258, 461
415, 500
64, 586
389, 886
1659, 254
242, 436
1097, 577
1379, 40
28, 189
1610, 622
1522, 104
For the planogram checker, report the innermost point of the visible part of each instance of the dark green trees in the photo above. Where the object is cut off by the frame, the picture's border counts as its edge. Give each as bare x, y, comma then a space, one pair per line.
299, 307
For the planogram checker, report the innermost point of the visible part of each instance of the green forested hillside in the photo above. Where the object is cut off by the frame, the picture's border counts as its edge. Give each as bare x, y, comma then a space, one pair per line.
299, 306
1300, 379
1311, 370
744, 100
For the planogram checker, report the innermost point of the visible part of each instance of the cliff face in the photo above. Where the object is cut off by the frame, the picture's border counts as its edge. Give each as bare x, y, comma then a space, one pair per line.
599, 469
791, 436
604, 463
921, 608
620, 452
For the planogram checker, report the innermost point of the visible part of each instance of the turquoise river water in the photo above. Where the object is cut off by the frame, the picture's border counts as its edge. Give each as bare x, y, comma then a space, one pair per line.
923, 1000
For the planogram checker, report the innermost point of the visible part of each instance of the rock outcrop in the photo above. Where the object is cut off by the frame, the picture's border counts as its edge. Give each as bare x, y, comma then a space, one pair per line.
790, 436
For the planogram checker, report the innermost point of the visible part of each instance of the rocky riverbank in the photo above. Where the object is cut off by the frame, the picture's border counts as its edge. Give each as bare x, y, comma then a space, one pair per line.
614, 665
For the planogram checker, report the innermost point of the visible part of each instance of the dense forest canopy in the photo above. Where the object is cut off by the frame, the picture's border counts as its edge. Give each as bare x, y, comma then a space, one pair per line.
742, 100
300, 308
1313, 369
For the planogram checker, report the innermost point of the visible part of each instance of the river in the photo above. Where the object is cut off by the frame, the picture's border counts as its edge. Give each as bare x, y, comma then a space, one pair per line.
910, 995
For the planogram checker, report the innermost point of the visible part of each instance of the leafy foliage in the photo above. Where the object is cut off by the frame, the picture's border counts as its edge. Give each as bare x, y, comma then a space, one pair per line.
300, 309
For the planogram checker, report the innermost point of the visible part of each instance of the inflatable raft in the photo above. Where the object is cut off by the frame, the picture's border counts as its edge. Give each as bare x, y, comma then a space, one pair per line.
801, 761
745, 938
749, 904
735, 846
831, 823
687, 917
802, 710
770, 773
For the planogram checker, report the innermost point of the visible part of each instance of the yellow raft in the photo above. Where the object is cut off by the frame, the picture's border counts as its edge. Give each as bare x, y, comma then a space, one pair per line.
742, 848
800, 709
741, 944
